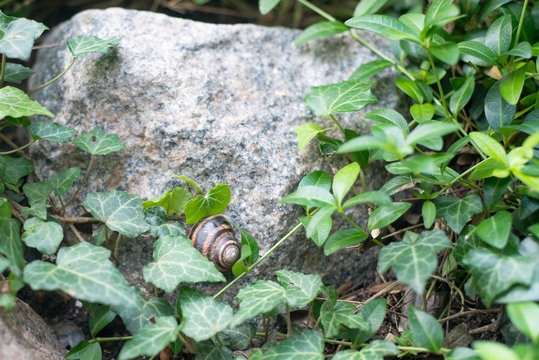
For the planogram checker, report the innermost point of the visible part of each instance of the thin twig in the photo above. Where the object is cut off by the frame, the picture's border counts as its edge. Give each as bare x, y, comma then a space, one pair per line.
74, 220
76, 232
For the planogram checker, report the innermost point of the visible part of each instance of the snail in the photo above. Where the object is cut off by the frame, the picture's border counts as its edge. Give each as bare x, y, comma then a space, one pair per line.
214, 237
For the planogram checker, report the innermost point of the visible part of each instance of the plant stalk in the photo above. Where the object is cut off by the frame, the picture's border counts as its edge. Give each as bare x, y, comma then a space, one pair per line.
81, 183
18, 149
3, 71
54, 79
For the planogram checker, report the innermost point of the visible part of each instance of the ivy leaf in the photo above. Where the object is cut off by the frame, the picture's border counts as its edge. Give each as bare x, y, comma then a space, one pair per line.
84, 272
148, 311
343, 238
16, 73
365, 71
17, 36
426, 330
214, 202
98, 142
13, 169
343, 180
100, 316
495, 230
238, 338
478, 53
386, 214
62, 181
203, 317
493, 274
320, 30
258, 298
522, 315
456, 212
306, 132
15, 103
374, 313
44, 236
37, 192
376, 350
84, 45
11, 245
499, 113
345, 96
265, 6
310, 195
300, 289
383, 25
151, 339
207, 350
51, 131
119, 210
331, 313
463, 94
498, 37
307, 346
176, 260
414, 258
156, 217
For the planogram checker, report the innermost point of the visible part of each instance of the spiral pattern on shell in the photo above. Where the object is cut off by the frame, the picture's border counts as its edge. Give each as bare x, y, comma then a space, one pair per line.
214, 237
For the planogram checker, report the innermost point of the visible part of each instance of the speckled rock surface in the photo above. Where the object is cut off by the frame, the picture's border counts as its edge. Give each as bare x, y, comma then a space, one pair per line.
24, 335
216, 103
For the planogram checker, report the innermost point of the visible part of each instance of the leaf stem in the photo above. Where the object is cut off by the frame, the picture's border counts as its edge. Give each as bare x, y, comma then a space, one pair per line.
283, 239
105, 339
3, 71
18, 149
317, 10
187, 344
337, 122
520, 23
442, 97
81, 183
288, 322
54, 79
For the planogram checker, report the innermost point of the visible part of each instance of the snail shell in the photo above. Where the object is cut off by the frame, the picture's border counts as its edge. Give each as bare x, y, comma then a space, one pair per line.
214, 237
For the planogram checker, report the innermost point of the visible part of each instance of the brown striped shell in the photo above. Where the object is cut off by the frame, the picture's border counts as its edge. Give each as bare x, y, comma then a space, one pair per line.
214, 237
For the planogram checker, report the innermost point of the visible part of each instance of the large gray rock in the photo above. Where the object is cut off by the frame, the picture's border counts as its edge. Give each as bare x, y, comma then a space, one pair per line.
24, 335
216, 103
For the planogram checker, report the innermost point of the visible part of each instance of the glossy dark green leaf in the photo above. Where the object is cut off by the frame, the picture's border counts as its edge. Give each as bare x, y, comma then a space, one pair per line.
100, 316
265, 6
343, 238
456, 212
426, 330
498, 37
493, 189
383, 25
478, 53
499, 113
238, 338
490, 6
85, 351
369, 69
308, 346
84, 45
386, 214
496, 229
345, 96
62, 181
511, 85
523, 50
374, 312
51, 131
16, 73
300, 288
98, 142
462, 96
156, 217
11, 245
320, 30
258, 298
448, 52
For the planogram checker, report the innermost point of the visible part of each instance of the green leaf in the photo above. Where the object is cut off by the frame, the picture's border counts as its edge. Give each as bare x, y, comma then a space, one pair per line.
300, 289
38, 210
495, 230
462, 353
490, 350
414, 258
238, 338
422, 113
388, 117
345, 96
429, 213
493, 189
249, 253
383, 25
85, 351
331, 313
203, 317
490, 147
448, 52
343, 238
426, 330
51, 131
306, 132
429, 131
62, 181
310, 195
258, 298
13, 169
343, 181
490, 6
523, 50
84, 45
366, 7
523, 316
373, 197
369, 69
171, 201
37, 192
320, 230
439, 12
499, 113
265, 6
98, 142
320, 30
386, 214
456, 212
147, 312
214, 202
207, 350
176, 260
498, 37
15, 103
307, 346
156, 217
478, 53
17, 36
16, 73
100, 316
119, 210
151, 339
316, 178
511, 85
11, 245
493, 273
189, 181
44, 236
462, 96
84, 272
376, 350
374, 312
409, 87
